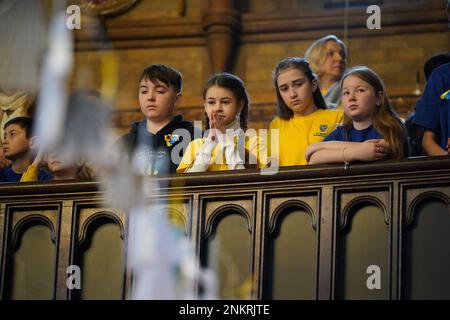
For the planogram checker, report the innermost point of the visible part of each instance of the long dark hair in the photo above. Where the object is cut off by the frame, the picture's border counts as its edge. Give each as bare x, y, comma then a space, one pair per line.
234, 84
301, 64
384, 120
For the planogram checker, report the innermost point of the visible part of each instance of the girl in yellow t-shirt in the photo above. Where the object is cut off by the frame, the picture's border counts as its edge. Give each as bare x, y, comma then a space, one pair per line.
225, 146
303, 117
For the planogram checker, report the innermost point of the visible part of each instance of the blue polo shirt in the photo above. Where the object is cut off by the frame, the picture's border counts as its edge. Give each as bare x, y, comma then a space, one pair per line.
432, 112
353, 135
8, 175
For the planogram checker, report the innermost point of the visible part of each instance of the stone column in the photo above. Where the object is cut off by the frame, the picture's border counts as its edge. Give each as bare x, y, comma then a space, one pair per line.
221, 22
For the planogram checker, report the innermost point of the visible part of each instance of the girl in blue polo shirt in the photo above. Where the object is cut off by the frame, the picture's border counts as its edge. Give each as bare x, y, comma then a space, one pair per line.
371, 130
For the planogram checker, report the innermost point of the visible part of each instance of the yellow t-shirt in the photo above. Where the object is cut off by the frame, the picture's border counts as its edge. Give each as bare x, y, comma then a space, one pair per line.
297, 133
254, 145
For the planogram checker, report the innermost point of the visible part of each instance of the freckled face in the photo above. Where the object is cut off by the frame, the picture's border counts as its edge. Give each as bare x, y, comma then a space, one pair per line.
359, 99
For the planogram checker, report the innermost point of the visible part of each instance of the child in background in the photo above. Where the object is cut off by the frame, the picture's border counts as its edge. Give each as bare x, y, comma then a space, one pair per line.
225, 146
303, 117
432, 110
59, 168
415, 132
18, 146
371, 131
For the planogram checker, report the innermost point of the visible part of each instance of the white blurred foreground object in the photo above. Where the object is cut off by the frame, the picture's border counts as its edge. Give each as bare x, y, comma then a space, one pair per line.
22, 44
52, 102
86, 130
161, 258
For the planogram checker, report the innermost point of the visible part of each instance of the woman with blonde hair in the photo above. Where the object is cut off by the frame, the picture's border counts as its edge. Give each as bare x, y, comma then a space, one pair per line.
328, 59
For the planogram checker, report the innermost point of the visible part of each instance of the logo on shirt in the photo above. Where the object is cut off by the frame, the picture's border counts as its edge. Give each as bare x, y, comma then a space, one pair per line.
445, 95
171, 139
323, 128
150, 162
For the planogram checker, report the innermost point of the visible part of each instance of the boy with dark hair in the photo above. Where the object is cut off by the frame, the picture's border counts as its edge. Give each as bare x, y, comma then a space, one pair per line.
17, 147
152, 141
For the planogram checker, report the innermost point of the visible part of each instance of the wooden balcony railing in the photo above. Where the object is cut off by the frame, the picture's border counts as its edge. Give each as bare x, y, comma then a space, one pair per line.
373, 231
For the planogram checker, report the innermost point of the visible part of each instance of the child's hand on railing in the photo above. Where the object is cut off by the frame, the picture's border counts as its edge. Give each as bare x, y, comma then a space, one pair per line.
370, 150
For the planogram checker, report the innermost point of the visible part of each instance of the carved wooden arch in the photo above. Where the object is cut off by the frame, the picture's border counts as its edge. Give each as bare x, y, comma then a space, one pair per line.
357, 201
28, 220
211, 221
180, 215
279, 213
93, 218
410, 212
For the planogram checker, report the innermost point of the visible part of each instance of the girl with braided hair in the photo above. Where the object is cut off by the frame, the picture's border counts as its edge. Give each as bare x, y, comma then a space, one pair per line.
226, 144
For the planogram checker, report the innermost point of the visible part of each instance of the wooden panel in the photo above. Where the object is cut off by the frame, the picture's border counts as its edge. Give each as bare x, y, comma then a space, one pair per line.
292, 244
99, 250
102, 264
29, 255
229, 255
294, 257
390, 213
220, 239
364, 243
33, 265
213, 206
64, 251
86, 216
427, 247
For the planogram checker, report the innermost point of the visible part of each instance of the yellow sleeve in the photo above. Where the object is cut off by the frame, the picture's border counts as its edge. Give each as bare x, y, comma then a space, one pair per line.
189, 155
273, 125
257, 147
31, 174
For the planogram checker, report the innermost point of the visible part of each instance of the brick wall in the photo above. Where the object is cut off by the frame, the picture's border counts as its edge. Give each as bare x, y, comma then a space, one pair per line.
397, 52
